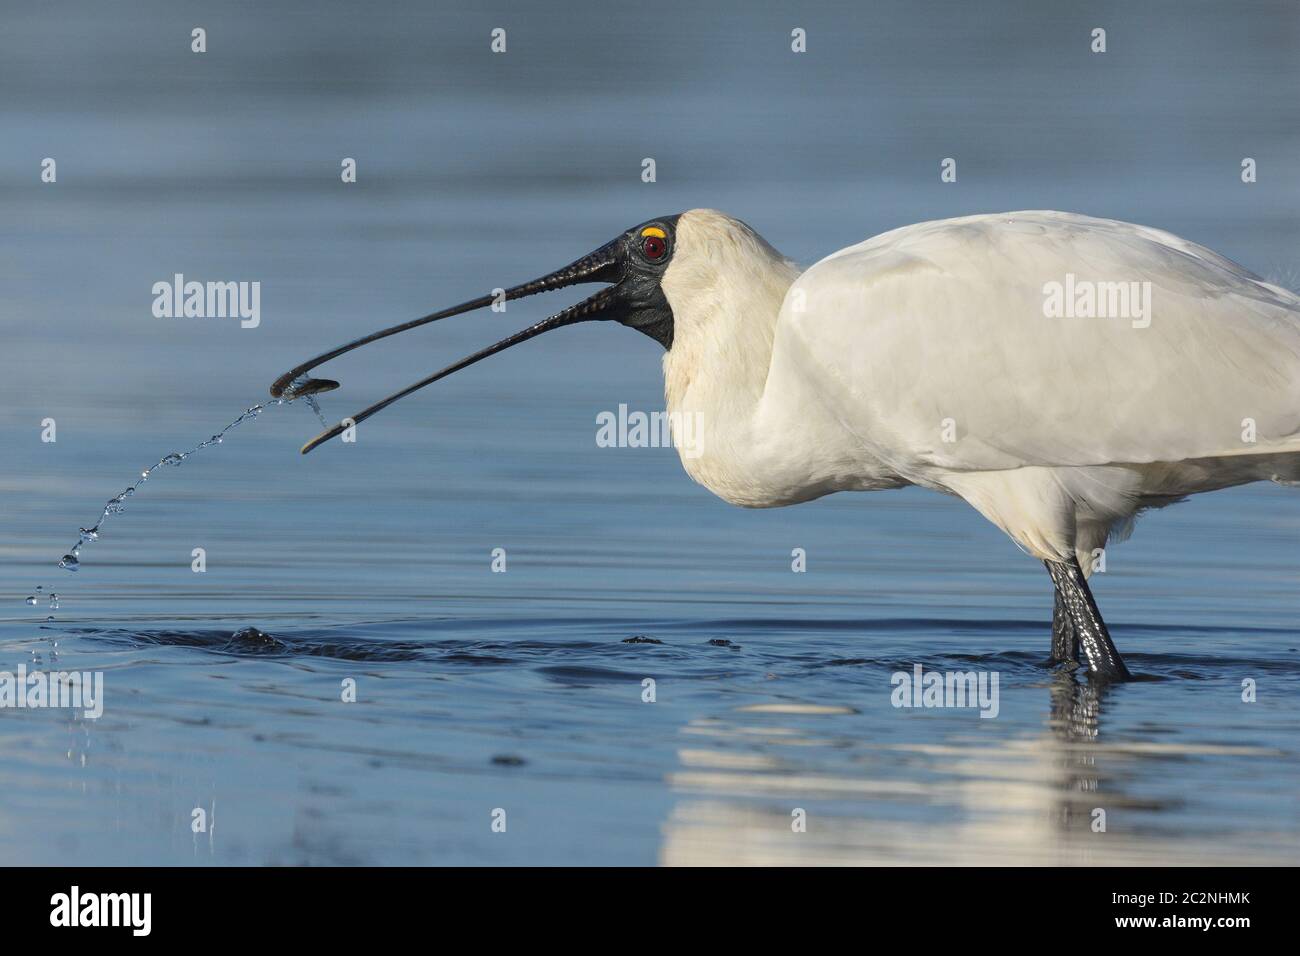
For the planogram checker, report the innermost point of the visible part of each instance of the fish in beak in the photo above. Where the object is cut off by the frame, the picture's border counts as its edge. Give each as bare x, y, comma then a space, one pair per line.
632, 265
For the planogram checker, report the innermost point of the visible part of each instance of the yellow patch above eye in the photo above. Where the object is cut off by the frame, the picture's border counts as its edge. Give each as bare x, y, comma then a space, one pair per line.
654, 231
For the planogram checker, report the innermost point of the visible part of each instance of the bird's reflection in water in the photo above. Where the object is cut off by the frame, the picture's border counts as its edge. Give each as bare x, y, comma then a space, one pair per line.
1061, 795
1075, 719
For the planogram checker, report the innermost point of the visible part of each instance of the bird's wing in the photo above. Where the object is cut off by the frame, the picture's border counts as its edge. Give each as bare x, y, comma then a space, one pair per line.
936, 345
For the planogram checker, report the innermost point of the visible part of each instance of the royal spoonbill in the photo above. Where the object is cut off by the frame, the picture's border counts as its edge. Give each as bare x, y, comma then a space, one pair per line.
1059, 373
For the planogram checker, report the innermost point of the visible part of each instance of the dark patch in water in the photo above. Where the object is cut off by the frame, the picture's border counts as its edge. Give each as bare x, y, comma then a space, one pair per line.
422, 640
250, 640
1010, 661
254, 642
508, 760
587, 674
893, 625
951, 626
465, 657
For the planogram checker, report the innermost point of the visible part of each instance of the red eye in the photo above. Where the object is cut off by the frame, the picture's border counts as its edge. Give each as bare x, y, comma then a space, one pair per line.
654, 247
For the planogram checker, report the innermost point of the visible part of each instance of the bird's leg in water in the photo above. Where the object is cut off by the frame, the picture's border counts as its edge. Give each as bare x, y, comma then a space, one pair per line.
1089, 629
1065, 645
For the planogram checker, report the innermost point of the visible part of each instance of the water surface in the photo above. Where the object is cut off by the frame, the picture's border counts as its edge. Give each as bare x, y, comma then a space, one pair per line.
371, 562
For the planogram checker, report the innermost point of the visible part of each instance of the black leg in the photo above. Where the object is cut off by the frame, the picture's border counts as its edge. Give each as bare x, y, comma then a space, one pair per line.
1065, 646
1089, 629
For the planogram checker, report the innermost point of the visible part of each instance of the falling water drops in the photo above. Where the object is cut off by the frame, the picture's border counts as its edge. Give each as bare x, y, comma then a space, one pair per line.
115, 505
315, 407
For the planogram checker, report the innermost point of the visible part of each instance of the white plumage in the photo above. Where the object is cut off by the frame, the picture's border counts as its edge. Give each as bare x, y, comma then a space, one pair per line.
928, 355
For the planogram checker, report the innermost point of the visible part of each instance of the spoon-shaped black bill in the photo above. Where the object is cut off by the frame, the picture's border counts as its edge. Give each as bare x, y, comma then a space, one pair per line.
597, 306
599, 266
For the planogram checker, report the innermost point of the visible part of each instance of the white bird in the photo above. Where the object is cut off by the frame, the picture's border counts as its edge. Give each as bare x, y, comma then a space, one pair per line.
1059, 373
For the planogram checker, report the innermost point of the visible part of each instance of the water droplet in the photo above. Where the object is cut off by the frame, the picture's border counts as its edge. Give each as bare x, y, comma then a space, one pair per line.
115, 506
315, 407
54, 601
39, 588
50, 619
31, 599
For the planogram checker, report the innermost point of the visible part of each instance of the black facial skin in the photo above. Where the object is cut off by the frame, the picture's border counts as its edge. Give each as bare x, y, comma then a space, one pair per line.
644, 305
634, 265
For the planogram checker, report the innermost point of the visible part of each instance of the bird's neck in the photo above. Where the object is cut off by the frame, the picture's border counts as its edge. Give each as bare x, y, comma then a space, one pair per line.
715, 374
722, 340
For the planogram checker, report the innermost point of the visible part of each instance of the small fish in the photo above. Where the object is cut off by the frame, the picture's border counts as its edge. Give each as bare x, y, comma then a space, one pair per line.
304, 385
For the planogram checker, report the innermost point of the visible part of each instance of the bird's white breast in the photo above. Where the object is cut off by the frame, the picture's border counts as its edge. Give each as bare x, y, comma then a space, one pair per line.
753, 448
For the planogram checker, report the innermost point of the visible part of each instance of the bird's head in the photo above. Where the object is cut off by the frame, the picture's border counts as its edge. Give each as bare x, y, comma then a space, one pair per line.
633, 266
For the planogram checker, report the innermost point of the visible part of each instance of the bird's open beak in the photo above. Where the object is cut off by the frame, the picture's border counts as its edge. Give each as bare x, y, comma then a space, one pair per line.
603, 265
